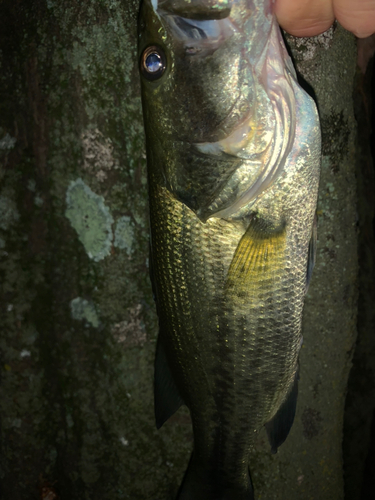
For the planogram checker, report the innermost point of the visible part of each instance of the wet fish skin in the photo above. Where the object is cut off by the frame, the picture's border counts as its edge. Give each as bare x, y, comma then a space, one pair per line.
233, 152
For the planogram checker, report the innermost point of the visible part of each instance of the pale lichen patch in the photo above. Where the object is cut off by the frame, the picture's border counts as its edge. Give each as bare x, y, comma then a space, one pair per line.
82, 309
7, 142
124, 234
8, 212
131, 332
90, 218
124, 441
31, 185
309, 46
98, 154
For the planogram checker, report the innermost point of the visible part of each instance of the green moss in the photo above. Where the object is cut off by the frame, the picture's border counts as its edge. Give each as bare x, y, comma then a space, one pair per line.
90, 218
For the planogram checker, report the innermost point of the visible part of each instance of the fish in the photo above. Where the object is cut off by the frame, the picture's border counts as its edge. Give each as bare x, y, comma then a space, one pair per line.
233, 161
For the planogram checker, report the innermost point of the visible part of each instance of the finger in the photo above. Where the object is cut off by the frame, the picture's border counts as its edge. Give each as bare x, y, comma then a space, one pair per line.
356, 16
304, 17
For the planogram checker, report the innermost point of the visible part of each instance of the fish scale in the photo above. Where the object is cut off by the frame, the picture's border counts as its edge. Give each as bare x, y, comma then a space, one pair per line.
233, 154
253, 359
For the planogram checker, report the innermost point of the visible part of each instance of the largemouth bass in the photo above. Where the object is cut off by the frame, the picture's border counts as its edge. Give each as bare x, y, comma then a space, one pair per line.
233, 154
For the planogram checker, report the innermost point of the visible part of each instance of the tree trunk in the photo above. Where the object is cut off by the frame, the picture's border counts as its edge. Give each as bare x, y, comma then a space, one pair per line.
78, 322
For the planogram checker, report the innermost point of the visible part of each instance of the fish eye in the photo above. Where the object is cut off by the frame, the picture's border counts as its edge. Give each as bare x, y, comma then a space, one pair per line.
153, 63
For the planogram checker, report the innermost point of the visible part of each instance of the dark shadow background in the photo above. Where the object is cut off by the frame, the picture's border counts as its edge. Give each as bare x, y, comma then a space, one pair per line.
359, 435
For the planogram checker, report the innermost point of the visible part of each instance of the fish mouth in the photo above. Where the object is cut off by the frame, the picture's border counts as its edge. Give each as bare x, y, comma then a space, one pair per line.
200, 27
195, 9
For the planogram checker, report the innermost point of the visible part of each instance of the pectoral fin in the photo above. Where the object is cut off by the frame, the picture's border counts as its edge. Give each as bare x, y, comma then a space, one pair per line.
279, 426
167, 399
259, 257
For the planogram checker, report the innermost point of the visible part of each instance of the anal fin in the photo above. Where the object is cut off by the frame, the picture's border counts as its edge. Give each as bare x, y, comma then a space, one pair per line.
167, 399
279, 426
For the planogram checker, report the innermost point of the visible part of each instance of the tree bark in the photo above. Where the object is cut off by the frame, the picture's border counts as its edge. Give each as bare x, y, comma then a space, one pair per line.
78, 322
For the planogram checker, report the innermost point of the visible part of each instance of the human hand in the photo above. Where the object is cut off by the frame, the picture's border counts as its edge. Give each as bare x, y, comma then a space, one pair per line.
312, 17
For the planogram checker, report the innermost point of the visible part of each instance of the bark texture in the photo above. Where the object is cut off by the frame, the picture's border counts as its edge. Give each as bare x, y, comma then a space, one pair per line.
78, 323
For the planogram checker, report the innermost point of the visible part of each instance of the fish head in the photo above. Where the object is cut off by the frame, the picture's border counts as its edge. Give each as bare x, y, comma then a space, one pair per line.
193, 95
207, 111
